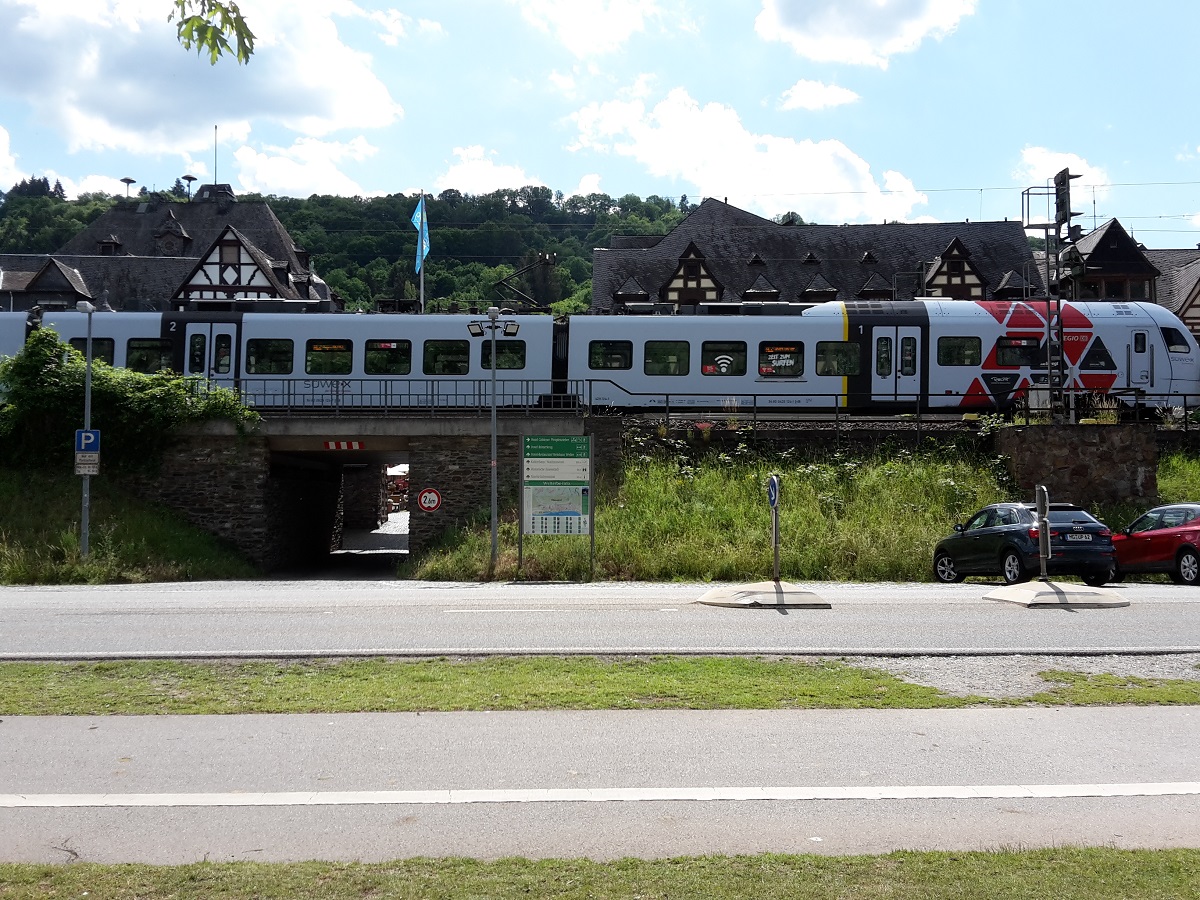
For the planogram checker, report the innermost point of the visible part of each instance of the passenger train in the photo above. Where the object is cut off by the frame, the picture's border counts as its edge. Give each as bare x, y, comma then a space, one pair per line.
927, 354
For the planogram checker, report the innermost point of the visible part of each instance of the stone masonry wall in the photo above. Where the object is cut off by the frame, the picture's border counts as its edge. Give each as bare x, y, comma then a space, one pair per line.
1083, 464
364, 497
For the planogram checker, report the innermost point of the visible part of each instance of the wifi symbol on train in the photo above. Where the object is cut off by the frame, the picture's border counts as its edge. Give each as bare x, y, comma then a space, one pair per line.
724, 364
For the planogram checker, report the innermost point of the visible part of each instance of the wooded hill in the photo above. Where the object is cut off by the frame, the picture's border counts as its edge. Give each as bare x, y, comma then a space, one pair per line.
365, 248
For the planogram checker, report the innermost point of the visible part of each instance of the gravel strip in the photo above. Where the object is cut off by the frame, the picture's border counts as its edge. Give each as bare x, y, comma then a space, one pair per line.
1000, 677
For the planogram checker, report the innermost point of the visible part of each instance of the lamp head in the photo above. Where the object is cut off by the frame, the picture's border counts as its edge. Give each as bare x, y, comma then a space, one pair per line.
475, 329
85, 307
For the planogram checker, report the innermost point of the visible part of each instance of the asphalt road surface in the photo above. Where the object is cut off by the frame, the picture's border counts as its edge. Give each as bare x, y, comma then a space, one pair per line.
305, 618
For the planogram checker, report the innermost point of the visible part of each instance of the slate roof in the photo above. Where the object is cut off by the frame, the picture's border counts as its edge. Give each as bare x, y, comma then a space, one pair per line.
800, 257
136, 277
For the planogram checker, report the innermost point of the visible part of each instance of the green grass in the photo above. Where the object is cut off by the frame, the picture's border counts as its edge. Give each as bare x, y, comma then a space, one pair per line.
128, 540
1060, 873
160, 687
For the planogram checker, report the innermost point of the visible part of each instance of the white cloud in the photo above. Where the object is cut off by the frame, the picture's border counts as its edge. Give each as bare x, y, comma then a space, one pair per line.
109, 75
476, 173
860, 32
306, 167
590, 27
9, 173
815, 95
588, 184
823, 180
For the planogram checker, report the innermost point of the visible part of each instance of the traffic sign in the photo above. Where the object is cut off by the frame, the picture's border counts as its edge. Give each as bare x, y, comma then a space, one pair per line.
773, 491
429, 499
87, 441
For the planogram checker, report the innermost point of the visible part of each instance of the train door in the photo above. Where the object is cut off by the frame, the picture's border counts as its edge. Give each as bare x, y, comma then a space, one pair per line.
1139, 360
211, 351
895, 364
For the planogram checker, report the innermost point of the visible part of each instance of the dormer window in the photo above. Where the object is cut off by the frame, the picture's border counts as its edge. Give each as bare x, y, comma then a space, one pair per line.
691, 270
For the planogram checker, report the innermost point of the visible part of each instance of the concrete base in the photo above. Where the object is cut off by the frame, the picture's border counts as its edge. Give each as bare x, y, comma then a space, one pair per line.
763, 595
1056, 595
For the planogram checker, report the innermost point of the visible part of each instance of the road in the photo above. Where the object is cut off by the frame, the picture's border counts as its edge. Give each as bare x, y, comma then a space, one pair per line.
327, 618
171, 789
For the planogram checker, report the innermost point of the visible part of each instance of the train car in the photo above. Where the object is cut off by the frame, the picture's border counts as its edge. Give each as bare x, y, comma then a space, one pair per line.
12, 333
900, 356
390, 361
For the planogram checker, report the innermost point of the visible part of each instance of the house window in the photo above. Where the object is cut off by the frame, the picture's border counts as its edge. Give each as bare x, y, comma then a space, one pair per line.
229, 254
1114, 290
269, 356
328, 357
955, 268
959, 351
148, 355
388, 357
610, 355
509, 354
1138, 290
447, 358
666, 358
103, 349
691, 270
723, 358
780, 360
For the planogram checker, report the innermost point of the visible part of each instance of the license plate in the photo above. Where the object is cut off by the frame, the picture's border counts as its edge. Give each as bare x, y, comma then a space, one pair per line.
1079, 537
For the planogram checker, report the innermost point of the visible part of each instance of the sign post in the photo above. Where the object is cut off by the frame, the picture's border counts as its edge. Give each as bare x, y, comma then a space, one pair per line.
773, 484
556, 490
1042, 499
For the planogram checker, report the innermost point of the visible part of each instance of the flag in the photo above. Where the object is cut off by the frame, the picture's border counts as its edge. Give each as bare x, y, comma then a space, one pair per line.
422, 225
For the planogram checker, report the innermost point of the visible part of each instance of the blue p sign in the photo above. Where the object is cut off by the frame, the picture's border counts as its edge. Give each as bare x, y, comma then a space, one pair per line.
87, 441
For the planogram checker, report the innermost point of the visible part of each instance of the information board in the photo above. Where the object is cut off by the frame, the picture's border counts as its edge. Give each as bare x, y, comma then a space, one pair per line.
556, 485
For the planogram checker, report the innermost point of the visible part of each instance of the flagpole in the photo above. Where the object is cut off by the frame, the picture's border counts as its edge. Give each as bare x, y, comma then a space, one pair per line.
420, 239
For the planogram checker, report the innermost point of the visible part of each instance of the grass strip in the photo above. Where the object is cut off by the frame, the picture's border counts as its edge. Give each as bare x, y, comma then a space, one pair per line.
160, 687
1062, 873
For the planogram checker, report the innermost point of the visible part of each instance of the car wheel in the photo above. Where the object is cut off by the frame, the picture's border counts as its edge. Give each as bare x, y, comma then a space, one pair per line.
1012, 569
1095, 580
1116, 576
945, 570
1187, 568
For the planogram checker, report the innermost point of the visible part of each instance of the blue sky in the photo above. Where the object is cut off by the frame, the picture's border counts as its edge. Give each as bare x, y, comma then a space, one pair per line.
841, 110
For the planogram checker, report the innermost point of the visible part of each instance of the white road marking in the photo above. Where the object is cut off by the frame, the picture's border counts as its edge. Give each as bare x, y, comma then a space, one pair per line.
603, 795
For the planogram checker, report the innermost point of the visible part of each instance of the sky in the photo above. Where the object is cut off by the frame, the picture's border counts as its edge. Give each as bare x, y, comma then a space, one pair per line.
844, 111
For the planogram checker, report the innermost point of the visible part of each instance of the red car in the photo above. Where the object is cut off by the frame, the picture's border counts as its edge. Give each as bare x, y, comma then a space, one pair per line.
1166, 539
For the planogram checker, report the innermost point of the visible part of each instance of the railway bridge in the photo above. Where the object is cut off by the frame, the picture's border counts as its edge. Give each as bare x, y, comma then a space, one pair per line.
284, 492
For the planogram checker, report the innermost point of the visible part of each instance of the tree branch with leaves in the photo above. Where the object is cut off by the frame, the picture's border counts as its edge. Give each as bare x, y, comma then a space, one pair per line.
210, 25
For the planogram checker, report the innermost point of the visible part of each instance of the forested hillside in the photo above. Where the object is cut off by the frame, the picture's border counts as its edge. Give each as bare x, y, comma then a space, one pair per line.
365, 248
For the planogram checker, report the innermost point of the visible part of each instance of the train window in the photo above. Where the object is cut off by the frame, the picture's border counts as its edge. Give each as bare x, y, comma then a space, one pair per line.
1097, 357
667, 358
447, 358
1020, 351
388, 357
103, 349
883, 356
196, 354
224, 353
269, 356
1139, 342
509, 354
908, 356
959, 351
148, 354
839, 358
1176, 342
723, 358
326, 357
610, 355
780, 360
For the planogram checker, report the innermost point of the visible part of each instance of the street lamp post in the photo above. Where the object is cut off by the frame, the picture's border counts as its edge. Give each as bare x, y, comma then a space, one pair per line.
85, 307
510, 328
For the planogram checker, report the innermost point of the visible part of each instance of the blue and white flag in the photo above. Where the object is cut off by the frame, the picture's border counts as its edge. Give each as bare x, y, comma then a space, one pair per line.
422, 225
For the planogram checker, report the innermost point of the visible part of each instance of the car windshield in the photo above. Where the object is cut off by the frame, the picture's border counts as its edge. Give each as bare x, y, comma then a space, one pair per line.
1070, 517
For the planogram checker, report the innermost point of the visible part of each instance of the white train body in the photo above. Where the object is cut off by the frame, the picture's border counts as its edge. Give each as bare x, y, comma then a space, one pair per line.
901, 356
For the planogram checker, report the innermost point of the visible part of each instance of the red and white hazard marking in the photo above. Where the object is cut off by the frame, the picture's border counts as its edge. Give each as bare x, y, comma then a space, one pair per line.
343, 445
